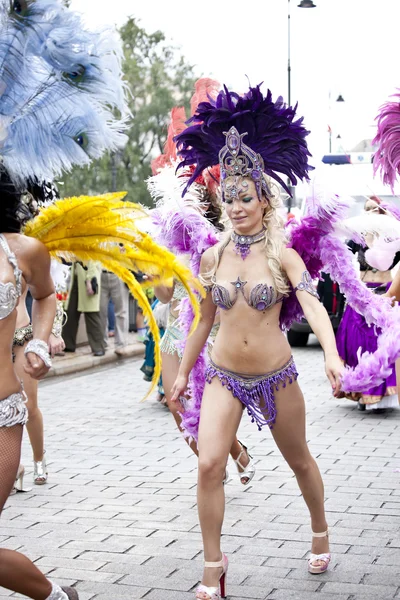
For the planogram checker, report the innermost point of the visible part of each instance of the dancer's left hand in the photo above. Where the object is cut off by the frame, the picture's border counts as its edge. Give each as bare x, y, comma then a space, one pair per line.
334, 369
56, 345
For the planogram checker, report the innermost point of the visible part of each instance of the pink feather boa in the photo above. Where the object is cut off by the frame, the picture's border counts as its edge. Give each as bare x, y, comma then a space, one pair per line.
374, 367
314, 239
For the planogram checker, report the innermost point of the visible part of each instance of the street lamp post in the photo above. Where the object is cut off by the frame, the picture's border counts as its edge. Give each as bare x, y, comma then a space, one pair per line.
338, 99
303, 4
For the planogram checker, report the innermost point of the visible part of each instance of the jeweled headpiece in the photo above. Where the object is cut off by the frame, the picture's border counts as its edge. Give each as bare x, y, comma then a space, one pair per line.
238, 160
275, 141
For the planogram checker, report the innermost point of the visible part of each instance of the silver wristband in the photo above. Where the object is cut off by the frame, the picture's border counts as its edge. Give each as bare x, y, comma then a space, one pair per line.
40, 348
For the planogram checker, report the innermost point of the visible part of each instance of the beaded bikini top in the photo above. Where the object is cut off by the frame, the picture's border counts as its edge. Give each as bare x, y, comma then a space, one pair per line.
261, 297
9, 292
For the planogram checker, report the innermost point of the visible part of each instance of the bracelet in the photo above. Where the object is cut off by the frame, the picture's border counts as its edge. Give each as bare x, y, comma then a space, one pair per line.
40, 348
58, 320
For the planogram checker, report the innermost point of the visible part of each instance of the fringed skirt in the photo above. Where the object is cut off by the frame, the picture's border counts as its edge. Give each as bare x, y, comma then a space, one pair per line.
255, 392
171, 336
13, 410
354, 334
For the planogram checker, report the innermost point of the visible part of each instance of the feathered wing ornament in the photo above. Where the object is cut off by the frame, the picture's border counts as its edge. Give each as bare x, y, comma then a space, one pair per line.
319, 239
104, 229
60, 88
186, 231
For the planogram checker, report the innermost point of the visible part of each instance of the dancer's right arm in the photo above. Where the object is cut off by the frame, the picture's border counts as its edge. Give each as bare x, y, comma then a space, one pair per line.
196, 342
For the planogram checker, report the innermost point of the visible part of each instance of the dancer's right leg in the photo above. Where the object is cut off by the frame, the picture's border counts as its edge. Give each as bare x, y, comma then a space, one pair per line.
219, 421
17, 572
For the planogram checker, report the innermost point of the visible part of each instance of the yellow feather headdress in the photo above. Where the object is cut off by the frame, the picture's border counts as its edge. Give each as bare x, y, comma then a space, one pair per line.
104, 229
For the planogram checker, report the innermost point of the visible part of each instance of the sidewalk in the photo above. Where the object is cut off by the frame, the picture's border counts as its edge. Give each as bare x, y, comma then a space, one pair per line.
118, 518
83, 359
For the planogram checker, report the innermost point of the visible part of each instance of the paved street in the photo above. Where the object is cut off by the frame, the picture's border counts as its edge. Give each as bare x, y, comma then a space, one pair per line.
118, 517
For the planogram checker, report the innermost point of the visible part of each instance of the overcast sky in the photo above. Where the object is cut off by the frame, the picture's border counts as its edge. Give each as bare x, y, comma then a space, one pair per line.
347, 47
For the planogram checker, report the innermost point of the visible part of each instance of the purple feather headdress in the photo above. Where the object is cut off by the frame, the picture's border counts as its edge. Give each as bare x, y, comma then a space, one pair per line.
274, 141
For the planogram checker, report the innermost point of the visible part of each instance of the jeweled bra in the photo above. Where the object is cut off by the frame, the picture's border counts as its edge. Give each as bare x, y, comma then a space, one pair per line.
261, 297
9, 292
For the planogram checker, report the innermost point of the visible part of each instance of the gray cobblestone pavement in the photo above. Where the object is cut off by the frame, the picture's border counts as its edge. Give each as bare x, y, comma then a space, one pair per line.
118, 516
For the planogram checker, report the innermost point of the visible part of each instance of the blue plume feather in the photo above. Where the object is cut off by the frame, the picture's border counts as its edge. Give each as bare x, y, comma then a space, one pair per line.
60, 85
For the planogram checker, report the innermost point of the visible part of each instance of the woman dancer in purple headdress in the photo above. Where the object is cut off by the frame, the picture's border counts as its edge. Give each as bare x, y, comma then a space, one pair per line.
248, 276
355, 333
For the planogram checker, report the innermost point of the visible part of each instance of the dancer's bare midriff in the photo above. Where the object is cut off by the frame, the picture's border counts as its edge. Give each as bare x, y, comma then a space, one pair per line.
250, 341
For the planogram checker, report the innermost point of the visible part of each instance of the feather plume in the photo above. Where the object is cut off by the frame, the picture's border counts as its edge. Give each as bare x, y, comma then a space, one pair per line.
271, 131
382, 253
94, 228
323, 211
387, 139
204, 90
60, 86
176, 125
368, 224
391, 208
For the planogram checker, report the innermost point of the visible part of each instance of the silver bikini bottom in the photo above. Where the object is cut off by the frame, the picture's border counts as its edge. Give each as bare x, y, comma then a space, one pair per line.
13, 410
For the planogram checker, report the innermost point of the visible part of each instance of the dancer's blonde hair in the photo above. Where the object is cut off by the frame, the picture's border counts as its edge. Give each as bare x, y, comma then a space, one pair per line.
275, 242
275, 238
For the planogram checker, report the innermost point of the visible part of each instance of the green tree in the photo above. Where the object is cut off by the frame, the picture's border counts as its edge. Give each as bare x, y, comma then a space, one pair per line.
159, 79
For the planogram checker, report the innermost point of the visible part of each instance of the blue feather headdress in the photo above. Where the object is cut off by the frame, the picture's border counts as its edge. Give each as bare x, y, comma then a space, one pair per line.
62, 96
247, 135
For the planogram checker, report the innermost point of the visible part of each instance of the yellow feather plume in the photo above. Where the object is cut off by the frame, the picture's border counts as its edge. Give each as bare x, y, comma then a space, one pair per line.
103, 229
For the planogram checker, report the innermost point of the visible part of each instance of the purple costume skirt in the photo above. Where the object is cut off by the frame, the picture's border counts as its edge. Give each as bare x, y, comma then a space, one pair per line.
255, 392
354, 333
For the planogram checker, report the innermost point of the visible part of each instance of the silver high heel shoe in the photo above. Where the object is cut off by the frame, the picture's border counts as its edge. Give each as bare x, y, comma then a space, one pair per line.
40, 473
245, 472
19, 482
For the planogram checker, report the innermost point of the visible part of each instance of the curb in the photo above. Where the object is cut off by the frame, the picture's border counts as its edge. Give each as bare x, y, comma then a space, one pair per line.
84, 362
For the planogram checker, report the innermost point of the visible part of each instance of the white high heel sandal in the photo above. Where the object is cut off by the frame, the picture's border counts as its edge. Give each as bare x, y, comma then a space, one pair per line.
245, 472
325, 558
214, 593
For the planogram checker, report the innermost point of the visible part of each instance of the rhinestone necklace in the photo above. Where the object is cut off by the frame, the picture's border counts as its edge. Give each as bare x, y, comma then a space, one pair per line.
243, 242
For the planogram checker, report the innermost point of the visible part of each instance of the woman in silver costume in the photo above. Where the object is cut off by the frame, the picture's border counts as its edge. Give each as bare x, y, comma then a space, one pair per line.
172, 353
248, 276
36, 196
23, 262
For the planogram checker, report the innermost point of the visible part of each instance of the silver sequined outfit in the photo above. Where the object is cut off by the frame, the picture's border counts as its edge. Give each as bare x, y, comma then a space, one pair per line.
173, 334
13, 409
